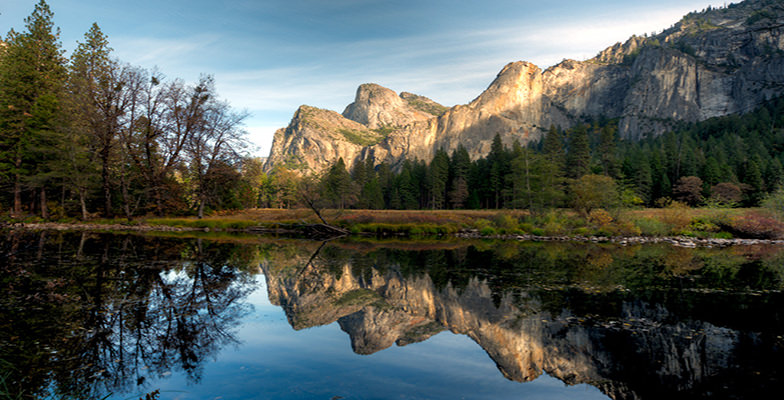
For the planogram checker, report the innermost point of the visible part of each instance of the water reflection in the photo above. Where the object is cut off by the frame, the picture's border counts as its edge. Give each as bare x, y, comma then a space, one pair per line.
94, 314
84, 315
639, 322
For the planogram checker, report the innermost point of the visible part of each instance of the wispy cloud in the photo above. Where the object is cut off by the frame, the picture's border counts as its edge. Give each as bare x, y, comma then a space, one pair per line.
272, 76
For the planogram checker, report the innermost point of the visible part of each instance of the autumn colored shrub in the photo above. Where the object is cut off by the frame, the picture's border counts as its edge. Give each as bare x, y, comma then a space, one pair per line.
688, 189
756, 225
600, 217
677, 216
726, 193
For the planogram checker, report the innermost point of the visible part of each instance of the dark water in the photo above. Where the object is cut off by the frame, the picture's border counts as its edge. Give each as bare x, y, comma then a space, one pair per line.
129, 317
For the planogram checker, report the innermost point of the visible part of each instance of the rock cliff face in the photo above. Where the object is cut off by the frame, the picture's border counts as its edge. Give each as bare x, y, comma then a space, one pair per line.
643, 352
713, 63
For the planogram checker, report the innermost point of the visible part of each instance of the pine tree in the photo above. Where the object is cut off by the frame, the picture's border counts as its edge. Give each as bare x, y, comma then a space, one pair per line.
578, 159
438, 173
459, 169
338, 186
553, 163
97, 101
606, 150
32, 76
753, 178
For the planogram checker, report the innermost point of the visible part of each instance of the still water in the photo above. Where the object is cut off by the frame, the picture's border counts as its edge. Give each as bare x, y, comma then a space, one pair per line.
129, 317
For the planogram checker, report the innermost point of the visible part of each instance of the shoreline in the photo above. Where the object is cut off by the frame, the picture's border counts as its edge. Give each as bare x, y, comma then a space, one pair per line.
678, 241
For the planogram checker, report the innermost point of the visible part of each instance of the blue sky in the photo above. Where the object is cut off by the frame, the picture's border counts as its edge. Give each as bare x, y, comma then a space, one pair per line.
269, 57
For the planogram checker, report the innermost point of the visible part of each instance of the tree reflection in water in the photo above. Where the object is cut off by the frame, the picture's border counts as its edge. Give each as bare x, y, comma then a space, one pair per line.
635, 322
83, 314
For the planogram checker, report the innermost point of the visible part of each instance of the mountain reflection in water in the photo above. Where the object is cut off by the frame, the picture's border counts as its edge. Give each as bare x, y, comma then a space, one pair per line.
84, 314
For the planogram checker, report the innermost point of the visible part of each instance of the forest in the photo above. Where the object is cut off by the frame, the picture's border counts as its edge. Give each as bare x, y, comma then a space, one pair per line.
89, 136
729, 161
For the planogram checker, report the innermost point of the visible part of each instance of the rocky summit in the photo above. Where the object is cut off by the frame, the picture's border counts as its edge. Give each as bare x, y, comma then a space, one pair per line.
712, 63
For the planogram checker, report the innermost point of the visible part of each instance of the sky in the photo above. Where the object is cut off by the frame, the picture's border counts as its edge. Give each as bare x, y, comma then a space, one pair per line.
269, 57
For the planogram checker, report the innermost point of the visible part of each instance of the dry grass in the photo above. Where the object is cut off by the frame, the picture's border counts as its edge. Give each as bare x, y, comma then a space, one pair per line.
349, 217
674, 220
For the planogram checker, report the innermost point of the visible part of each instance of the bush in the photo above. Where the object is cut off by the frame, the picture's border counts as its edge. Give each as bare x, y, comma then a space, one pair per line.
774, 203
594, 191
756, 225
688, 189
677, 215
581, 231
481, 224
627, 228
487, 231
652, 227
505, 222
600, 217
726, 194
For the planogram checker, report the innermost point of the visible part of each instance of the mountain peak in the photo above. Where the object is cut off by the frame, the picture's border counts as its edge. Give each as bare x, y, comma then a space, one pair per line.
378, 107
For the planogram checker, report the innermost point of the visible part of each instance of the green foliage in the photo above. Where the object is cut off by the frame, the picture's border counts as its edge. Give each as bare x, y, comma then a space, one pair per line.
487, 231
422, 104
593, 191
760, 16
505, 222
652, 227
365, 138
774, 203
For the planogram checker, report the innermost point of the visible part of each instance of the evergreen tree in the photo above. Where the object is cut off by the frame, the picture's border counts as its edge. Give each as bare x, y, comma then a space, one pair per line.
753, 178
774, 174
438, 174
32, 75
459, 169
578, 159
337, 185
606, 150
552, 170
96, 101
499, 166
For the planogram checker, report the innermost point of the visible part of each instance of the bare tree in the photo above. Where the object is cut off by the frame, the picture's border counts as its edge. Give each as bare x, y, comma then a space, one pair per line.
216, 136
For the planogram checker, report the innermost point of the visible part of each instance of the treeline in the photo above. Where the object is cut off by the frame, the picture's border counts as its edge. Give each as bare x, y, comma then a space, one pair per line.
728, 161
91, 133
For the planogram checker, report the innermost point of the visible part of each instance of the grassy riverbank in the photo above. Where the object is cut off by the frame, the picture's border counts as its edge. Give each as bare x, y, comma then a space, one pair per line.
658, 222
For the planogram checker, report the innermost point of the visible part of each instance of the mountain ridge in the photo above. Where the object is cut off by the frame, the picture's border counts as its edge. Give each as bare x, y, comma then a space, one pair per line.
713, 63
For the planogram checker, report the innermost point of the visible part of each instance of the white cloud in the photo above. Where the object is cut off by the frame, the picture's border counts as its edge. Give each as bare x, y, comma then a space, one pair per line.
452, 67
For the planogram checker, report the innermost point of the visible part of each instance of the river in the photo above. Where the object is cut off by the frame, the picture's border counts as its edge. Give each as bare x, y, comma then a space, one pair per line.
132, 316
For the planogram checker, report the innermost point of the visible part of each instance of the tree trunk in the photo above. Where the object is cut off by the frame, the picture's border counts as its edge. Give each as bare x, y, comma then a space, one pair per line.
44, 209
17, 189
17, 211
82, 195
201, 208
125, 196
107, 192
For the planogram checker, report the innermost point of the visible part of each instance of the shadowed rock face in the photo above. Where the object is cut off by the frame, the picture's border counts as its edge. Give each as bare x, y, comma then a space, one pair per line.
638, 348
709, 64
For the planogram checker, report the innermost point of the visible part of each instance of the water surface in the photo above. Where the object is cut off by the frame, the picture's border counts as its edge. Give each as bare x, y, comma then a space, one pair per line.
123, 316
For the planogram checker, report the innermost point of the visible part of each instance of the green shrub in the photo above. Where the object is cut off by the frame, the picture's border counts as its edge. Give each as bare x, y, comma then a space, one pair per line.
722, 235
487, 231
553, 228
537, 232
505, 222
481, 223
652, 227
581, 231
